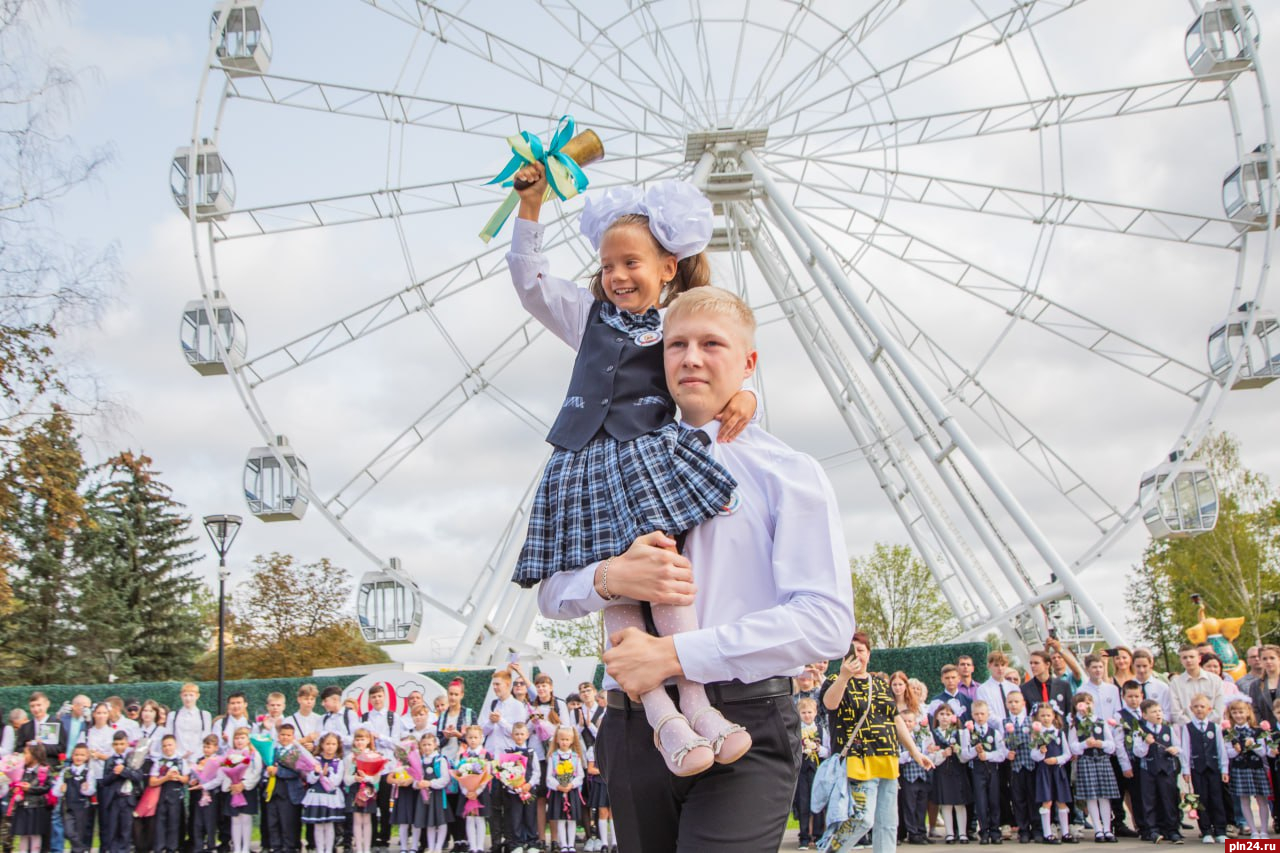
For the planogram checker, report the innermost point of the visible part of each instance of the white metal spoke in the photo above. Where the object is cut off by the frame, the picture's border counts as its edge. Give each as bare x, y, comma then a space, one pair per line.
1038, 207
406, 108
475, 382
534, 67
1012, 298
1034, 114
991, 32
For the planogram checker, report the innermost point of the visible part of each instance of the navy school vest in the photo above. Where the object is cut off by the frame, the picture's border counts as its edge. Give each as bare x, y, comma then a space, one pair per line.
1204, 747
617, 385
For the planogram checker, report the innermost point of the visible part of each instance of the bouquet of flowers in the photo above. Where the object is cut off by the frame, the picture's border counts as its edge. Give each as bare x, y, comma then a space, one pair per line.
298, 760
1084, 728
1131, 730
13, 767
1270, 738
512, 771
1192, 802
472, 773
234, 766
1242, 737
398, 779
371, 764
809, 743
948, 738
266, 748
205, 772
1042, 736
564, 777
413, 766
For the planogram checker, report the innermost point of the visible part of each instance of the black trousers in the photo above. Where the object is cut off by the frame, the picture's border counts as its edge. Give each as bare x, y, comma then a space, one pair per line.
1026, 811
1133, 787
736, 808
522, 819
223, 801
77, 828
166, 829
498, 821
382, 819
1117, 805
1160, 803
811, 825
117, 826
913, 799
986, 797
284, 818
1207, 784
204, 826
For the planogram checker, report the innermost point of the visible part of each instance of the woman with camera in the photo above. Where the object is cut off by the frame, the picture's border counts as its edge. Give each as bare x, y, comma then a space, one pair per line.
867, 729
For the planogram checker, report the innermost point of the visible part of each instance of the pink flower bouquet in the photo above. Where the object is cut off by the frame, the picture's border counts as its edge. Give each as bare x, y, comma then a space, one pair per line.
206, 770
512, 773
234, 766
472, 774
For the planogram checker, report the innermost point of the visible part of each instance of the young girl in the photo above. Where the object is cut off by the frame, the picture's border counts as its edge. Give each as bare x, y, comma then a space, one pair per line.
406, 813
622, 468
30, 814
435, 814
475, 815
365, 800
325, 803
565, 773
242, 814
598, 799
1093, 743
952, 792
1052, 785
1247, 751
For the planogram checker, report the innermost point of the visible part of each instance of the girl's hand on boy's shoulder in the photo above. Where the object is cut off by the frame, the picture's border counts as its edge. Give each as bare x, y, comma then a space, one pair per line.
735, 416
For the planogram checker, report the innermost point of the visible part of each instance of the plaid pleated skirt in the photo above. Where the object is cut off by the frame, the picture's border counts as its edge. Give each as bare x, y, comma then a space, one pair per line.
593, 503
1095, 780
1249, 781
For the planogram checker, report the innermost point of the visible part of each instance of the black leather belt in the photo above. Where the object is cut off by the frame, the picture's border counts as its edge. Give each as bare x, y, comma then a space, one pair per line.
719, 692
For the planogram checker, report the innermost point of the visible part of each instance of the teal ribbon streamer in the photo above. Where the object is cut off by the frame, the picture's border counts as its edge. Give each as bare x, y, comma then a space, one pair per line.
564, 176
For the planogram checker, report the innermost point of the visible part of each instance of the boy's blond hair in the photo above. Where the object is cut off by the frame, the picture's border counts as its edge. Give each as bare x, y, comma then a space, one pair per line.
714, 300
806, 702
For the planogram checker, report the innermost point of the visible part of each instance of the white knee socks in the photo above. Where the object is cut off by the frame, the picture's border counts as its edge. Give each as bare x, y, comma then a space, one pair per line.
1064, 820
605, 826
1045, 811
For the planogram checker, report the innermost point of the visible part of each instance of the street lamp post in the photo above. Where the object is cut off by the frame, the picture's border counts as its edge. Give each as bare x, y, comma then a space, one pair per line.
111, 656
222, 530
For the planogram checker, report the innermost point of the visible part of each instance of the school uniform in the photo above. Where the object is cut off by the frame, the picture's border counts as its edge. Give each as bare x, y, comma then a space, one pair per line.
914, 786
1052, 781
325, 800
1205, 758
167, 835
562, 805
1053, 691
384, 724
436, 809
521, 828
1159, 780
189, 726
459, 721
250, 781
225, 729
1095, 780
117, 796
951, 785
1022, 777
985, 775
1126, 735
484, 800
497, 739
1248, 766
801, 805
77, 806
284, 809
204, 817
961, 704
342, 723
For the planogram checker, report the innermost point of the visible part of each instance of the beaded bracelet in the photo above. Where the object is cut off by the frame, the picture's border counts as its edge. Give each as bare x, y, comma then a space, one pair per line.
604, 582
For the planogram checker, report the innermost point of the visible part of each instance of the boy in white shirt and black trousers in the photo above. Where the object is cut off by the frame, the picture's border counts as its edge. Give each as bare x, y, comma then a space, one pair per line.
497, 721
385, 725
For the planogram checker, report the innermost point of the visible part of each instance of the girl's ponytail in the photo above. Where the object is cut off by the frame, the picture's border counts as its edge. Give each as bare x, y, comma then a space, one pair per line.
693, 271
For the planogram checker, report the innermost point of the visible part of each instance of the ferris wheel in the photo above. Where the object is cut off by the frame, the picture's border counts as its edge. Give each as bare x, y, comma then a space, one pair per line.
975, 235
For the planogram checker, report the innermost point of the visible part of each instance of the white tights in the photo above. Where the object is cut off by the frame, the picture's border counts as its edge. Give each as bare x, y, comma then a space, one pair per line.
29, 843
325, 833
563, 833
435, 838
1100, 816
241, 832
1257, 827
475, 833
409, 835
961, 817
362, 832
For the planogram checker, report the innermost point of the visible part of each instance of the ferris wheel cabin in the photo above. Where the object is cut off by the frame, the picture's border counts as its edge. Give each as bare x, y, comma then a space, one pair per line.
1246, 193
1217, 43
1261, 352
271, 491
245, 47
389, 606
1186, 505
200, 335
213, 184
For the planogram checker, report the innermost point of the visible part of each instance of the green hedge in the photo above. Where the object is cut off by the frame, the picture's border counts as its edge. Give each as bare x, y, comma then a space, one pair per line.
922, 662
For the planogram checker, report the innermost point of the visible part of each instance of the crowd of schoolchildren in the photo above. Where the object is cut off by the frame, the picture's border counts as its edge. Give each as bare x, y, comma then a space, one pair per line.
518, 776
1117, 752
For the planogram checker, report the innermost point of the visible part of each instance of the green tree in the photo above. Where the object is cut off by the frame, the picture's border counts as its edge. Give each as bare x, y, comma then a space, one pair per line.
47, 512
1152, 617
289, 619
1235, 566
138, 591
575, 638
896, 601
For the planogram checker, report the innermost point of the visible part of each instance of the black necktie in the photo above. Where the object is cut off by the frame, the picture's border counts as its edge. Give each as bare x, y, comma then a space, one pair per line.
1004, 697
1143, 685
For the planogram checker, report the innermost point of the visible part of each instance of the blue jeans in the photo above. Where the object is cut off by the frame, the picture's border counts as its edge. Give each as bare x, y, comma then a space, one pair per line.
57, 840
873, 806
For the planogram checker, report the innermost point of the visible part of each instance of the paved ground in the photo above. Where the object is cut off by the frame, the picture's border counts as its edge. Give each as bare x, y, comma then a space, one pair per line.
1124, 845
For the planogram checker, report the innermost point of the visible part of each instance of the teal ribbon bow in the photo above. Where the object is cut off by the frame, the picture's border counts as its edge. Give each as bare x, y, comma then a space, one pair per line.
565, 178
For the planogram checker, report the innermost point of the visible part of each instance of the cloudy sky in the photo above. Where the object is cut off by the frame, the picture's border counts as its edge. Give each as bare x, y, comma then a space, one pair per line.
952, 274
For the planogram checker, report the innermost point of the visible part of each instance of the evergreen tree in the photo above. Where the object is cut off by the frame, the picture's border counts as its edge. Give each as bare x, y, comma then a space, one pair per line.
46, 511
138, 593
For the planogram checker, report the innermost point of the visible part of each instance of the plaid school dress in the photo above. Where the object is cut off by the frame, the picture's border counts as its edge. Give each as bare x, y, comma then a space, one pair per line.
591, 504
1094, 777
1248, 771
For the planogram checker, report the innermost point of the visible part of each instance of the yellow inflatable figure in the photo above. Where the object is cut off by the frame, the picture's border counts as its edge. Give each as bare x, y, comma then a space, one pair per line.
1219, 633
